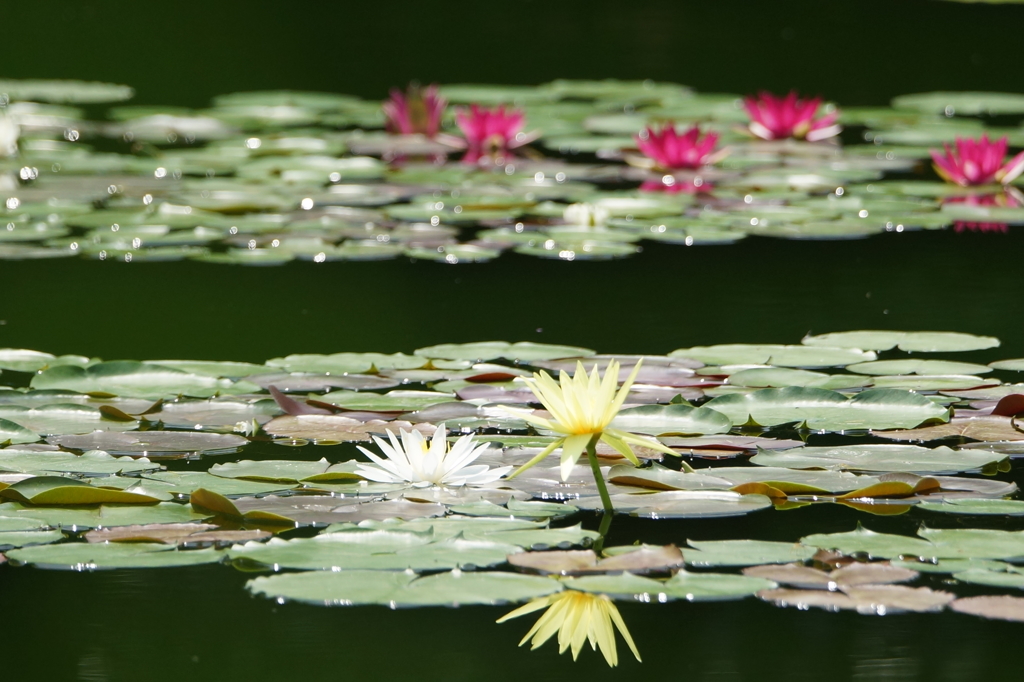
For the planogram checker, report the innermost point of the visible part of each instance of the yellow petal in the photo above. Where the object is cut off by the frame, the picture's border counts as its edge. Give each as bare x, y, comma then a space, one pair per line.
536, 460
572, 449
608, 436
613, 612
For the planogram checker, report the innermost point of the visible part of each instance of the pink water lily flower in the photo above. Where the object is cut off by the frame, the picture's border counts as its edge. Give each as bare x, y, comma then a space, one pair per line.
977, 162
491, 131
776, 118
673, 151
416, 111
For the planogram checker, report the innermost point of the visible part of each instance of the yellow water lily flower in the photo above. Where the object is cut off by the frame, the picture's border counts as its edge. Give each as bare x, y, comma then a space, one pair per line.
577, 617
581, 408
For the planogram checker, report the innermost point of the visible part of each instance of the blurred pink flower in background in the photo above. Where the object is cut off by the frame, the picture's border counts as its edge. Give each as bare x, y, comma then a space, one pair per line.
671, 150
491, 131
977, 162
416, 111
777, 118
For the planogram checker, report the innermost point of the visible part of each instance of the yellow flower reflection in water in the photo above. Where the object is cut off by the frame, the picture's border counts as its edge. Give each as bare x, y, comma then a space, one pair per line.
577, 617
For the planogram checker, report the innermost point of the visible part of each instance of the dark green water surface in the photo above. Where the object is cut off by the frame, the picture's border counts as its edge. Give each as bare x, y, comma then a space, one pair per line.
200, 623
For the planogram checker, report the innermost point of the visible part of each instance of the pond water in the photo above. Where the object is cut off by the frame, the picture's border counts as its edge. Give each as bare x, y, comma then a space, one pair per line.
794, 239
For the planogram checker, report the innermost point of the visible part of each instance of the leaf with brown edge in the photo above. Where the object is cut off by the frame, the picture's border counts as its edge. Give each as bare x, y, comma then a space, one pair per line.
62, 491
990, 427
292, 406
895, 485
209, 502
114, 414
760, 489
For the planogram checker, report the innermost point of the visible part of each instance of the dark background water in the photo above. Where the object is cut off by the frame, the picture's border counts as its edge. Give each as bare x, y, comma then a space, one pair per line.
200, 623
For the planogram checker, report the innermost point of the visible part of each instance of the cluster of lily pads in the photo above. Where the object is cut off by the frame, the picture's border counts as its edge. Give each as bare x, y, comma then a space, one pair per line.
268, 177
127, 464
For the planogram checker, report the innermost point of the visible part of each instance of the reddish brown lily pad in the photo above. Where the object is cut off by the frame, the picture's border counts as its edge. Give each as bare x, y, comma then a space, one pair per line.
991, 427
1002, 607
191, 534
578, 562
335, 427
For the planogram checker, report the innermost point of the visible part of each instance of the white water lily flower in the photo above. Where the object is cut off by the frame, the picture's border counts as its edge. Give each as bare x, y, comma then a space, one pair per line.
582, 407
586, 214
412, 460
9, 132
577, 617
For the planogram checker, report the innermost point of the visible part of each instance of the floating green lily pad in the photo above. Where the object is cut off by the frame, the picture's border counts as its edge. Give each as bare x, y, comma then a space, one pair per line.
398, 589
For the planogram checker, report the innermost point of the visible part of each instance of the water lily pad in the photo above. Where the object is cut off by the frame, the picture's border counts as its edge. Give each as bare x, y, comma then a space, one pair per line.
642, 559
981, 506
1002, 607
820, 409
181, 534
94, 462
937, 382
346, 363
153, 443
798, 575
962, 103
14, 539
879, 457
875, 545
401, 589
683, 504
657, 477
16, 433
915, 366
269, 470
337, 427
87, 556
975, 543
780, 377
61, 419
523, 351
658, 420
977, 576
185, 482
137, 380
61, 491
393, 401
683, 585
22, 360
871, 599
782, 356
913, 342
981, 428
795, 481
335, 551
70, 91
105, 516
745, 553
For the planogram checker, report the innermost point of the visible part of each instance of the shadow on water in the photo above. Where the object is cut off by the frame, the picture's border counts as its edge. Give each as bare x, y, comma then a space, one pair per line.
200, 624
759, 290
